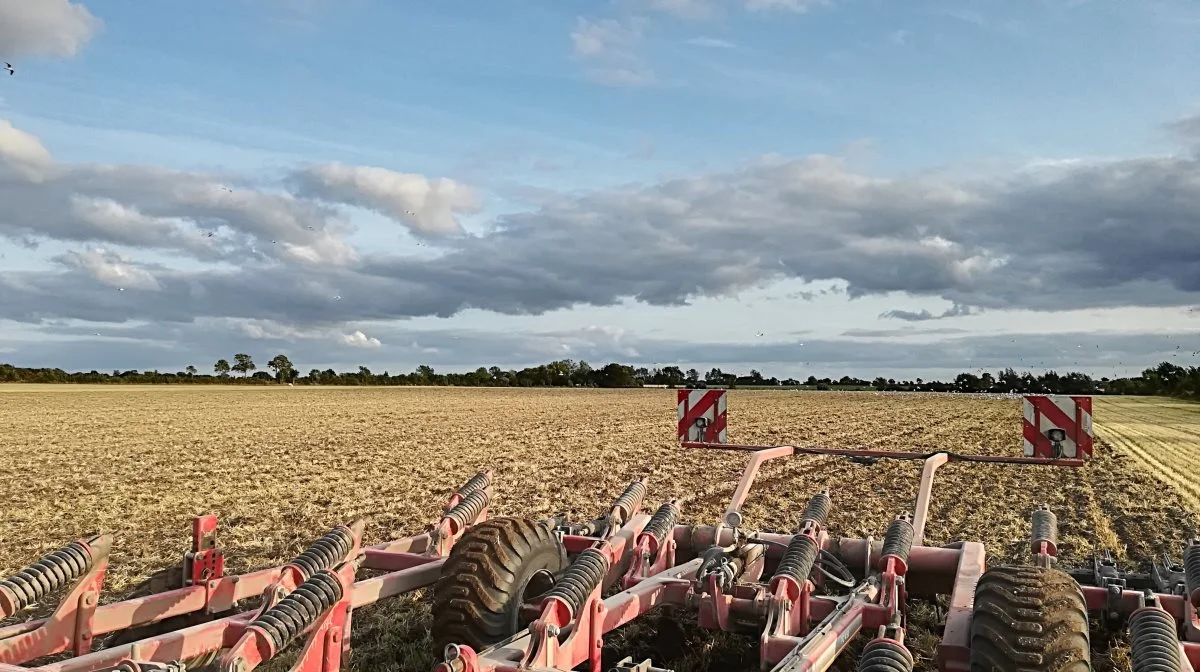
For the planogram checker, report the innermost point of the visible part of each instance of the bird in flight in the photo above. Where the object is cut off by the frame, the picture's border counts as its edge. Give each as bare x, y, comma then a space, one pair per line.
9, 66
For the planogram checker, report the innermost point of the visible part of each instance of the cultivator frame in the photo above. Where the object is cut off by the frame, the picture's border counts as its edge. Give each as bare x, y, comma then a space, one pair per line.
311, 597
750, 581
807, 595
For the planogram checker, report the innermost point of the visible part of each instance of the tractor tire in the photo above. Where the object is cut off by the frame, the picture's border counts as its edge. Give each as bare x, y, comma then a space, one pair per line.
160, 582
1029, 619
493, 569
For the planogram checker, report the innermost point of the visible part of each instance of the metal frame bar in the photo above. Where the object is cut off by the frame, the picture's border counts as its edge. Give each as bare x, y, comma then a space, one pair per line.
411, 563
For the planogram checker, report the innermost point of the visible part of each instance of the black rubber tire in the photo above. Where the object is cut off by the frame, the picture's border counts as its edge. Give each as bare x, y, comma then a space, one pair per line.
485, 580
1029, 619
160, 582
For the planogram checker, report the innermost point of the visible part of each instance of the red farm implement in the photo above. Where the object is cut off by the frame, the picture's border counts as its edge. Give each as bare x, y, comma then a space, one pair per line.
511, 594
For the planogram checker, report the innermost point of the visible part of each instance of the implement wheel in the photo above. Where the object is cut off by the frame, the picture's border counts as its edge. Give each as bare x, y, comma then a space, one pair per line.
1029, 619
492, 570
161, 581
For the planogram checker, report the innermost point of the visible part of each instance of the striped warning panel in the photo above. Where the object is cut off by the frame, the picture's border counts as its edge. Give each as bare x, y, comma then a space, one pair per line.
701, 415
1073, 415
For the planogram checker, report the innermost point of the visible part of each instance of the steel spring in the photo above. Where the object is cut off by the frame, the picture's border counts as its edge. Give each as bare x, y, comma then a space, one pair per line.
818, 508
663, 521
1154, 641
465, 512
51, 572
325, 552
630, 500
1045, 525
477, 482
299, 609
798, 560
885, 655
1191, 566
897, 541
580, 579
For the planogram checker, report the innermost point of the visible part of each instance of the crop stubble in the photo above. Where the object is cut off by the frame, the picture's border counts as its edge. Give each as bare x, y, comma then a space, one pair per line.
282, 465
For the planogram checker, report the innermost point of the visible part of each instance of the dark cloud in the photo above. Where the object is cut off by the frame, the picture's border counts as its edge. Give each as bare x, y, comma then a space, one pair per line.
956, 310
1101, 234
905, 331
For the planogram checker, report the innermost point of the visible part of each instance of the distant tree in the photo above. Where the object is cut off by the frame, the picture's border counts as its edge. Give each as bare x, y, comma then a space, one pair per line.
693, 376
244, 364
191, 370
314, 376
221, 368
282, 366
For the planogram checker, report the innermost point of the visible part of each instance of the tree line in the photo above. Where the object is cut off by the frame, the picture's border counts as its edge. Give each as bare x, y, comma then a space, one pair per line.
1164, 379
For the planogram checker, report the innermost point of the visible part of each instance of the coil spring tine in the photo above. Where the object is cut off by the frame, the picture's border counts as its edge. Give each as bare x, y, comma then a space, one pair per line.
897, 541
818, 509
798, 560
663, 521
1153, 641
580, 579
885, 655
299, 609
53, 571
325, 552
466, 511
1191, 570
630, 500
477, 482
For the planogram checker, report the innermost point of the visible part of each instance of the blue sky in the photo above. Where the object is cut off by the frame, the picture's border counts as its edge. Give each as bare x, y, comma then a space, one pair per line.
645, 180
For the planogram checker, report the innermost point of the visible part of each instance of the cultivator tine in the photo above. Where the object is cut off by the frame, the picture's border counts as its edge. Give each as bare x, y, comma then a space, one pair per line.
1191, 568
479, 482
319, 606
466, 507
624, 506
654, 549
52, 572
1154, 639
1044, 537
335, 546
80, 565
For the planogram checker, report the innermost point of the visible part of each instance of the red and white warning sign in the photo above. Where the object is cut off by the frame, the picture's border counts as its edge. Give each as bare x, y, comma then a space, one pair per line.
701, 415
1058, 426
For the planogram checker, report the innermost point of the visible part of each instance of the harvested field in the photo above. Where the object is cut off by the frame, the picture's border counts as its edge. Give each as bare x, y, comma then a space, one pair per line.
1163, 435
282, 465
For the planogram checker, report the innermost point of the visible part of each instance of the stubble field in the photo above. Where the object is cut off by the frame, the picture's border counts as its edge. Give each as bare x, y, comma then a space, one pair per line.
282, 465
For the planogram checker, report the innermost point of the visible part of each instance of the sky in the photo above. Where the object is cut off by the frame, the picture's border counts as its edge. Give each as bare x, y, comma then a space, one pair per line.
803, 187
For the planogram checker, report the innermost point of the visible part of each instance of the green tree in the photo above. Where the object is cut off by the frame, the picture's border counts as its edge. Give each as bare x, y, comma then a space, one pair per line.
244, 364
221, 368
191, 370
282, 366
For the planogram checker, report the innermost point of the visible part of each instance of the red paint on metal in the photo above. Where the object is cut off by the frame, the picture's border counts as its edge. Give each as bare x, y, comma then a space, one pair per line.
707, 401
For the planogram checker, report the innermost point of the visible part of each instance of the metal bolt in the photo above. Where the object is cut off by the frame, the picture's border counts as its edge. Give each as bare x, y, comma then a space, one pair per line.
89, 599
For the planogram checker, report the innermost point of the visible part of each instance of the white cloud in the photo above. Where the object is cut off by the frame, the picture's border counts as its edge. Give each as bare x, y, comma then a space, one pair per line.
44, 28
710, 42
428, 207
23, 153
112, 269
609, 46
360, 340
